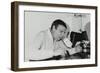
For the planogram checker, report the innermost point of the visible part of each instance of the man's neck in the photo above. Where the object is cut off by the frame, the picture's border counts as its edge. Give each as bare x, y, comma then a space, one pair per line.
52, 34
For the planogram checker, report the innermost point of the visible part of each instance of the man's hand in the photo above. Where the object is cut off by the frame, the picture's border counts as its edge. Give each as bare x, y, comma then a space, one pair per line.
74, 50
78, 48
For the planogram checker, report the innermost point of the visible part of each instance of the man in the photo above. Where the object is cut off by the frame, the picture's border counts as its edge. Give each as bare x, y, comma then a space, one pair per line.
48, 44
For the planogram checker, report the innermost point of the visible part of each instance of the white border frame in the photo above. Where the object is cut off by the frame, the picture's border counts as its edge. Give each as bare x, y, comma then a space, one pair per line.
23, 64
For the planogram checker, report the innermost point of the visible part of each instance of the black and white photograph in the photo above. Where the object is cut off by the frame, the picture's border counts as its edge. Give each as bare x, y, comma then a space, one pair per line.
52, 36
56, 36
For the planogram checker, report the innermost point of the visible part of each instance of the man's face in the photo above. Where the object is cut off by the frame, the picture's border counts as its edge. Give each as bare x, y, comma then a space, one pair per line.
59, 33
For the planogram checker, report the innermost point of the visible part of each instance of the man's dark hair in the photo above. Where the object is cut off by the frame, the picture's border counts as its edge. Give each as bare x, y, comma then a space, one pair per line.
58, 22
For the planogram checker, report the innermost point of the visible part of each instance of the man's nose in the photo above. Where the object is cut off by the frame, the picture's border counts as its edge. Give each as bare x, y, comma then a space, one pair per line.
62, 35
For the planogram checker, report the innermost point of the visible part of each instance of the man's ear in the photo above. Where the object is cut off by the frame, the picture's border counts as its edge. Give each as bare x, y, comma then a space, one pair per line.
53, 28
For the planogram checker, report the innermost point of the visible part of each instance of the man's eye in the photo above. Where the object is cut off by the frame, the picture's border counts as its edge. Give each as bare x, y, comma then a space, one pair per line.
62, 32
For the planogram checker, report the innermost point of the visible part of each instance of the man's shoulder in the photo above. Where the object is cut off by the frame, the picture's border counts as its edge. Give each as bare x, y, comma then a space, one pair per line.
43, 33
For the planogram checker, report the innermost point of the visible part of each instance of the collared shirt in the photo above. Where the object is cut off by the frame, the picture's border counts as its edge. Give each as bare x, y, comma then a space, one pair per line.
44, 47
